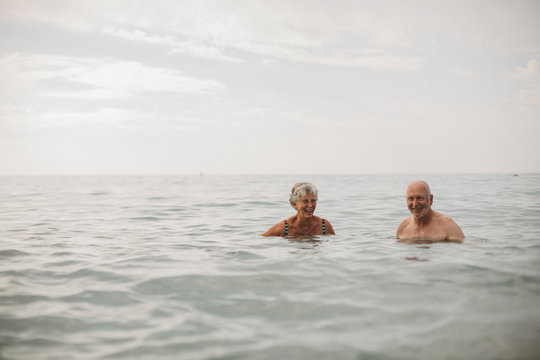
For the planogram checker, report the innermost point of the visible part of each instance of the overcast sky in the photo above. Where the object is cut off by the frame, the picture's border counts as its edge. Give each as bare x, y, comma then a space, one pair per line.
269, 87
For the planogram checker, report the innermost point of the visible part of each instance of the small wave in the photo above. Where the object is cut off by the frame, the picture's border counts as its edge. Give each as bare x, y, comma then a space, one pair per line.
30, 343
283, 351
152, 259
54, 325
264, 203
12, 253
99, 193
244, 255
108, 298
175, 209
199, 285
203, 205
157, 198
63, 263
22, 299
61, 253
145, 218
97, 275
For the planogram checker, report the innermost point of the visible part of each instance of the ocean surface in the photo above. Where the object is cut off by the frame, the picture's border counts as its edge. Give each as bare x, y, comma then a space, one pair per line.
172, 267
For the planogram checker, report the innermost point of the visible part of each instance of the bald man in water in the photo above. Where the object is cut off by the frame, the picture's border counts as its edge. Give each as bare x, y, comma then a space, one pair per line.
425, 223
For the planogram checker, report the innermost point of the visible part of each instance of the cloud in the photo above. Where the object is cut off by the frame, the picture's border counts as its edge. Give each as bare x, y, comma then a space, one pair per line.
25, 119
273, 51
308, 24
531, 71
47, 91
235, 31
529, 96
483, 24
528, 78
467, 73
376, 61
175, 46
65, 76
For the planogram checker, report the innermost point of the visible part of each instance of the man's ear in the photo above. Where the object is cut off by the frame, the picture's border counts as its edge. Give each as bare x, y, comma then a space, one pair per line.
431, 199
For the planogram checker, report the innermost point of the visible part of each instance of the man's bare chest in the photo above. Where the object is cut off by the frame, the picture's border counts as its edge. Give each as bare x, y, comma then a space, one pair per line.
431, 232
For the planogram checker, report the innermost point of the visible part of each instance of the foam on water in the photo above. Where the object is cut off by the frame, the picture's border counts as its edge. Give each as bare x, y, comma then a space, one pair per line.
172, 267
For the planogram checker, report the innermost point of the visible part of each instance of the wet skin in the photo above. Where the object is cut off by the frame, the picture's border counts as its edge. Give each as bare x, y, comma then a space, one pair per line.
419, 201
305, 207
425, 223
304, 222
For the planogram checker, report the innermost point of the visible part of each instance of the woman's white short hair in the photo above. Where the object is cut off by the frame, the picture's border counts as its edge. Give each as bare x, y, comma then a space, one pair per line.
301, 189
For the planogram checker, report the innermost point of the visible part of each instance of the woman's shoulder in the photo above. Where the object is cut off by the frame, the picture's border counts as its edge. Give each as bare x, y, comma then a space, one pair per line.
327, 227
276, 230
321, 219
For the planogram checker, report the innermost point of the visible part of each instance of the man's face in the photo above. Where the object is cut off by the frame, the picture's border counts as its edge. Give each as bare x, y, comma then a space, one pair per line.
418, 200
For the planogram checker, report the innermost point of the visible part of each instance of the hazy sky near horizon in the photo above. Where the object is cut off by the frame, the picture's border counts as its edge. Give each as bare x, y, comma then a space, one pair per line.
277, 87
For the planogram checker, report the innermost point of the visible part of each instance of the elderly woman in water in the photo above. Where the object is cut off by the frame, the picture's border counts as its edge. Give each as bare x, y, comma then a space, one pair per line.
303, 199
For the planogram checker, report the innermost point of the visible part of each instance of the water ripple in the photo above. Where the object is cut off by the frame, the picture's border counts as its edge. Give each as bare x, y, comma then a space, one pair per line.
132, 268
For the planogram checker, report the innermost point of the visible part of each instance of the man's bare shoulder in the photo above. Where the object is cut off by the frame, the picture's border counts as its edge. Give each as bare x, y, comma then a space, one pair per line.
450, 227
444, 220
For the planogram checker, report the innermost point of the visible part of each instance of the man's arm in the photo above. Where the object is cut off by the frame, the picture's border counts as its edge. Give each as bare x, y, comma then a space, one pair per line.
401, 227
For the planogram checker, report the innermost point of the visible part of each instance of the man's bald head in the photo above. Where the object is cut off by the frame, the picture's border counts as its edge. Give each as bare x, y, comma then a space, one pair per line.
419, 184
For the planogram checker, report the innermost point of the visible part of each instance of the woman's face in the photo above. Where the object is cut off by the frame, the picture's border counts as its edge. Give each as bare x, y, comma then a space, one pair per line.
306, 206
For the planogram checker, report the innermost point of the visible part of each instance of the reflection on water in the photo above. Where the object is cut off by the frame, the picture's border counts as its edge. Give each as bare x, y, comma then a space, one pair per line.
414, 241
423, 245
414, 258
312, 239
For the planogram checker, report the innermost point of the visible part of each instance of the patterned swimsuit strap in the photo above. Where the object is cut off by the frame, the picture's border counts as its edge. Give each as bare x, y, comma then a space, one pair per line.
323, 226
286, 227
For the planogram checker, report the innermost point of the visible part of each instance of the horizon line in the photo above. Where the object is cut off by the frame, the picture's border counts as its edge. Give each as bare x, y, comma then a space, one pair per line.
267, 174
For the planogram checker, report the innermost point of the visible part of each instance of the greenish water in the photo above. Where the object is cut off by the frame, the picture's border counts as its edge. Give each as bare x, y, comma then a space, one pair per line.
173, 268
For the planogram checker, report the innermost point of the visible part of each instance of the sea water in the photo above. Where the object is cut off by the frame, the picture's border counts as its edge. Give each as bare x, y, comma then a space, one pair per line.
172, 267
